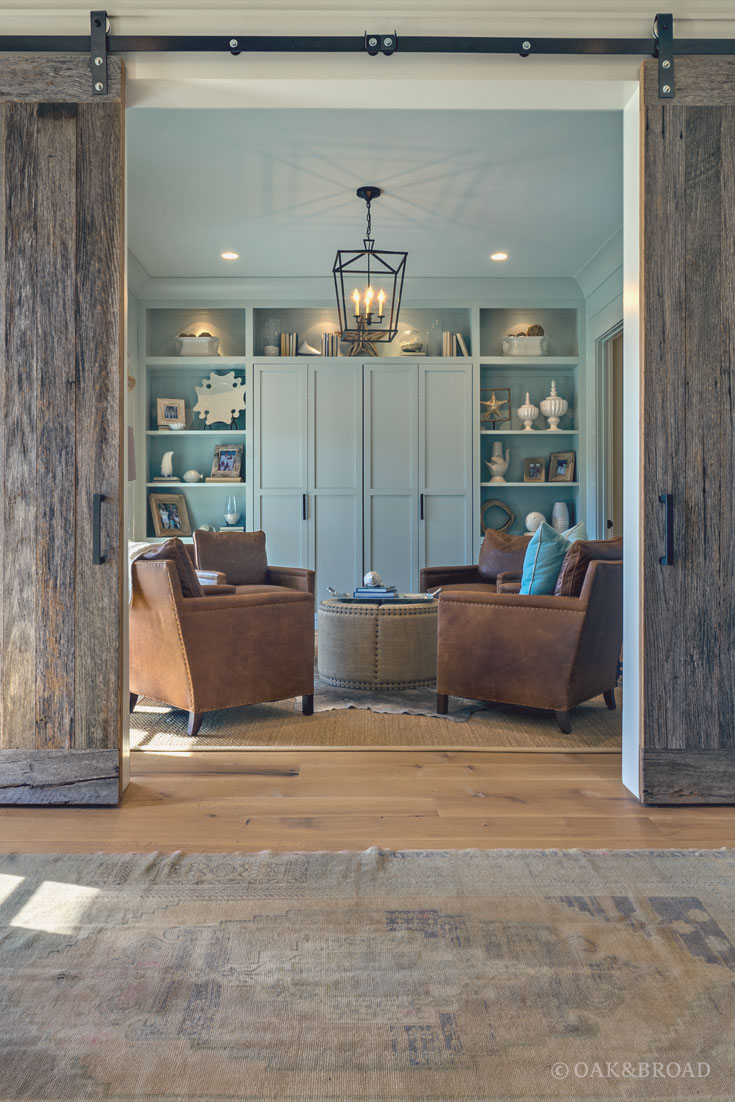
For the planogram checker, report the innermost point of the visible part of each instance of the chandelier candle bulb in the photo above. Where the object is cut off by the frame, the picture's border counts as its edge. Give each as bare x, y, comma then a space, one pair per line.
381, 301
356, 300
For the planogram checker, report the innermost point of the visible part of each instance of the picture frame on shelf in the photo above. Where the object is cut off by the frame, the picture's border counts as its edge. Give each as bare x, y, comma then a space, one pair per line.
170, 515
227, 461
170, 411
493, 409
534, 469
561, 467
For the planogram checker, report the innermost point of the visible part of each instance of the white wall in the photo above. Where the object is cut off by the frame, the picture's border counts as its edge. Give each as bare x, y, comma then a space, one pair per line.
601, 282
632, 611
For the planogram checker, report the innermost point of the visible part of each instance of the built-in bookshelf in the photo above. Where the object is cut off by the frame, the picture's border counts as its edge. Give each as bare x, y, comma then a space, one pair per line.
169, 375
244, 330
309, 325
510, 378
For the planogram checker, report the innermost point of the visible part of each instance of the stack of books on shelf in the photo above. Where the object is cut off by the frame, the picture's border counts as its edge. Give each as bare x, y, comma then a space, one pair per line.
375, 592
453, 344
164, 479
330, 344
289, 344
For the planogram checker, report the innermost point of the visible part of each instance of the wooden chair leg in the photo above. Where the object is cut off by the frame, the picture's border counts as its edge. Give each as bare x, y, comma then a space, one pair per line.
134, 698
442, 704
195, 722
564, 720
610, 699
307, 704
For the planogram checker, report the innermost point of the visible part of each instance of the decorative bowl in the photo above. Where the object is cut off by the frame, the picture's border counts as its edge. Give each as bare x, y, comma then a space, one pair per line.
525, 346
197, 346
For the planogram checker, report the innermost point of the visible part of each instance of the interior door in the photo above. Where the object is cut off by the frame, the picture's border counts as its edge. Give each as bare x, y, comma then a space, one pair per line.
688, 438
280, 461
335, 474
61, 296
391, 472
445, 464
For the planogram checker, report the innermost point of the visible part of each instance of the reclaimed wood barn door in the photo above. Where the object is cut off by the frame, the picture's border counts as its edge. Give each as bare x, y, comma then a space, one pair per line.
61, 318
688, 434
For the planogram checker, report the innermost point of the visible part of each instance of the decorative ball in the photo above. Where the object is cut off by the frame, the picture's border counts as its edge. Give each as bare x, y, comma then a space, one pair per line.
192, 476
411, 341
534, 521
372, 578
535, 330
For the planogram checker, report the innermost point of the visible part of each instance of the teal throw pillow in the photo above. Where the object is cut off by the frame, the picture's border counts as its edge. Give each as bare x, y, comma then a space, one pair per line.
544, 556
578, 532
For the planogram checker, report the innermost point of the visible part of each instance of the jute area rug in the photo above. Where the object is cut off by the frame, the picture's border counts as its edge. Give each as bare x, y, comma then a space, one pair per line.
409, 976
353, 720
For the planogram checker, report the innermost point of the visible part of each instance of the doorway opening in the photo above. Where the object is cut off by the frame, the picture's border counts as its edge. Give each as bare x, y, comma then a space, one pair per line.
402, 464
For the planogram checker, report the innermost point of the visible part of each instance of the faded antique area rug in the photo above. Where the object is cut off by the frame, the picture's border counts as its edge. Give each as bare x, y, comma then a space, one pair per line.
386, 721
377, 976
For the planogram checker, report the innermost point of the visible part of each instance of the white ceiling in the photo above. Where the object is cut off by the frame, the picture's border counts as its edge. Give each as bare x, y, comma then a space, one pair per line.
278, 186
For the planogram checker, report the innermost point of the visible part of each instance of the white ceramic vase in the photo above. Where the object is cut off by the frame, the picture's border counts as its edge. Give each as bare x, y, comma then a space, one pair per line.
528, 414
498, 462
560, 516
554, 407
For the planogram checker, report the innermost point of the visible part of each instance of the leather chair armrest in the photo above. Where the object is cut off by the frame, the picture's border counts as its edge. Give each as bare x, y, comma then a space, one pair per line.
514, 600
217, 590
509, 581
211, 577
292, 577
432, 577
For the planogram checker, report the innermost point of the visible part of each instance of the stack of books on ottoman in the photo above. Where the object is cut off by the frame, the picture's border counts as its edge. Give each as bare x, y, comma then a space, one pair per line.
375, 593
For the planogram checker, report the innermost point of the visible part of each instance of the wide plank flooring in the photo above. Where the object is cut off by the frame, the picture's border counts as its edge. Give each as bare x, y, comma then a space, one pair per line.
221, 801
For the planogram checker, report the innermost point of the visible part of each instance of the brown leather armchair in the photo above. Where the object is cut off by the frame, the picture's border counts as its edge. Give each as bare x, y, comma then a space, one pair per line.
498, 568
205, 653
541, 652
239, 558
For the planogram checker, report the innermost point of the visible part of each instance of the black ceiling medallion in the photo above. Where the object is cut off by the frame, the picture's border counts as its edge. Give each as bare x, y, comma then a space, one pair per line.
369, 286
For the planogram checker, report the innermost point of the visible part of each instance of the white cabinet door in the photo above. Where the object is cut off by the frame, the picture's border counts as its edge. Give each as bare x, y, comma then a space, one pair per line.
280, 461
445, 464
391, 472
335, 474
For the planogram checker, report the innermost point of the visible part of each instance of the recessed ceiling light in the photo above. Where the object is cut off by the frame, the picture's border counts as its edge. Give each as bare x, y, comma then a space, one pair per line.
498, 256
230, 256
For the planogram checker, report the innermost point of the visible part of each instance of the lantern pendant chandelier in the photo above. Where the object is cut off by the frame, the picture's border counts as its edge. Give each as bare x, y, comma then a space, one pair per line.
369, 285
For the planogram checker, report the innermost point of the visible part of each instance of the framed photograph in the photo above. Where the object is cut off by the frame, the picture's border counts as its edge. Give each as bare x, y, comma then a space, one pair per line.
561, 467
495, 406
227, 461
170, 516
170, 409
534, 470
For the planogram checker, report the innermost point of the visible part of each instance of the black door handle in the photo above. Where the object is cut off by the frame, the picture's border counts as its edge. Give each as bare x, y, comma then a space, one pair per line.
97, 557
667, 559
303, 507
421, 506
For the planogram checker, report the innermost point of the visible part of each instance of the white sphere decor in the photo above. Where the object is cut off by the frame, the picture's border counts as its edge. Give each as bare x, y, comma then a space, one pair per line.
372, 578
192, 476
534, 521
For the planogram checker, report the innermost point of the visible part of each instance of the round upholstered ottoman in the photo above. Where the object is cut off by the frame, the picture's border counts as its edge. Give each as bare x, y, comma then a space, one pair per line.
377, 646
